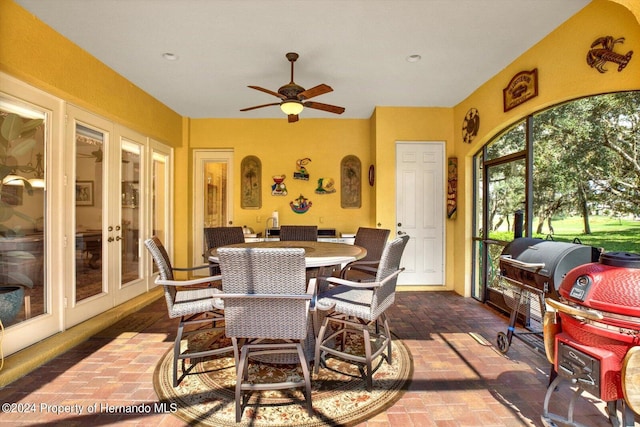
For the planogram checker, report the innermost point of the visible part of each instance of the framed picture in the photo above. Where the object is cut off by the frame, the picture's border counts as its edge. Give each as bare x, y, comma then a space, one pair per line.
84, 193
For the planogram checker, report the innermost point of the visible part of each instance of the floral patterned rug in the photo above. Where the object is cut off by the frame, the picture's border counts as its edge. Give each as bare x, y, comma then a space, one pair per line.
205, 396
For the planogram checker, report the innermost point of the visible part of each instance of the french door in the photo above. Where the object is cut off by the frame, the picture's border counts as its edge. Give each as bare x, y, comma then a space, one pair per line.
105, 177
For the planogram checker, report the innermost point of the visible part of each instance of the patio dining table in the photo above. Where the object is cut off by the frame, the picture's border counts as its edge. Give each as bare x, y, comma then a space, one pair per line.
318, 255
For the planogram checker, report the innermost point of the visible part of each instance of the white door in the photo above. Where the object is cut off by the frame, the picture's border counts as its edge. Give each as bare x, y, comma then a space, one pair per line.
420, 211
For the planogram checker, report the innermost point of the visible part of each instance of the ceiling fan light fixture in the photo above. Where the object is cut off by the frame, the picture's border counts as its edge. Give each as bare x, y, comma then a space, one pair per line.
291, 107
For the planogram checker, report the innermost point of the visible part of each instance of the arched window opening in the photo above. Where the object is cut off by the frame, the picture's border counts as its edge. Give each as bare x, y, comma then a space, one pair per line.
569, 172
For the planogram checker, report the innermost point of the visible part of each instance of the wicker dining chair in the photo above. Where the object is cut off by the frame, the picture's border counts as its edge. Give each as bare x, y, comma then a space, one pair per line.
300, 233
220, 236
267, 304
374, 241
194, 307
356, 308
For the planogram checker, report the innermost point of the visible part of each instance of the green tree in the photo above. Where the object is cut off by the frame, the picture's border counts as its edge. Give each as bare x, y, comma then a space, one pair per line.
587, 158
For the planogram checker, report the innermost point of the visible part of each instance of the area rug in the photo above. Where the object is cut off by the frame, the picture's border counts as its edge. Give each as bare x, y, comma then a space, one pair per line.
205, 396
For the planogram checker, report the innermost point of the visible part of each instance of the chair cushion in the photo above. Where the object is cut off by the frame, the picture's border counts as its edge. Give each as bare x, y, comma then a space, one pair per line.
349, 301
194, 301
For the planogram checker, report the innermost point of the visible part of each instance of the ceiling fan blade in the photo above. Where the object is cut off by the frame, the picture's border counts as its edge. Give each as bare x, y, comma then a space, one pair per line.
315, 91
260, 106
325, 107
293, 118
270, 92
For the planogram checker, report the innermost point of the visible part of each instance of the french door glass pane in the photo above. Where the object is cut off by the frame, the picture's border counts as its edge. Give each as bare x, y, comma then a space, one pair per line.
215, 189
88, 205
159, 195
130, 173
23, 140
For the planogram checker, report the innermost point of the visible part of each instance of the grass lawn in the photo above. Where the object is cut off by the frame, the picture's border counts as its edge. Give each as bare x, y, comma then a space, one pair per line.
614, 235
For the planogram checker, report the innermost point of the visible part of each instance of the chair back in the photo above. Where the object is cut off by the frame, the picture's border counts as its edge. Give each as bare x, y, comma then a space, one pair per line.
221, 236
161, 258
301, 233
272, 283
373, 240
389, 264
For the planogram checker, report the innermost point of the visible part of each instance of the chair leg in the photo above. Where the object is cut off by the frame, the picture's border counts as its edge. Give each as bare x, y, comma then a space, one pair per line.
387, 331
367, 354
176, 351
316, 359
307, 378
236, 356
242, 366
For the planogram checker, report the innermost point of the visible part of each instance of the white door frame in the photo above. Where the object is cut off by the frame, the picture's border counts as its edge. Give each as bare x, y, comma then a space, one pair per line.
200, 158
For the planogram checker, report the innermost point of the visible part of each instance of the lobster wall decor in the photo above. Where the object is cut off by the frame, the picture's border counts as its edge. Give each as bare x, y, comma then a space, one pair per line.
602, 52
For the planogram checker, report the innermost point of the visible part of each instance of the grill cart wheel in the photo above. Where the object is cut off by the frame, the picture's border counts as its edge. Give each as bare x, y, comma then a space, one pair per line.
503, 342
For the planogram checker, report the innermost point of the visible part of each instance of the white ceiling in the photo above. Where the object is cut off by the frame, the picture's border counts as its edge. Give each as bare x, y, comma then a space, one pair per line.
358, 47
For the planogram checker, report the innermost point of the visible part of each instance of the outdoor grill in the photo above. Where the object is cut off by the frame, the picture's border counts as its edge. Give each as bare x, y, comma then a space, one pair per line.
592, 335
534, 269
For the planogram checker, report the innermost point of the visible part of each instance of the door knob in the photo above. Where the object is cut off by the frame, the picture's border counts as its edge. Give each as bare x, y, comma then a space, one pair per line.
110, 239
399, 224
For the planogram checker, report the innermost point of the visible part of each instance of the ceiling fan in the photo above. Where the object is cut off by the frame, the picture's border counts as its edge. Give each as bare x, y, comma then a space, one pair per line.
294, 97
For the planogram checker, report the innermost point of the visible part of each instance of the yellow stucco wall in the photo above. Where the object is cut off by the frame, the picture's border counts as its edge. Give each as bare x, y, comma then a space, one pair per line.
278, 144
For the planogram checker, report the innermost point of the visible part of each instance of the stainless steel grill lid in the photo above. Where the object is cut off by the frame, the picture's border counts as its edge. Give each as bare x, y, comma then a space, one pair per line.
546, 261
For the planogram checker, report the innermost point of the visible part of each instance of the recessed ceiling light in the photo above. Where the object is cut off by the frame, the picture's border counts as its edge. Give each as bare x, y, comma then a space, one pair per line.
170, 56
414, 58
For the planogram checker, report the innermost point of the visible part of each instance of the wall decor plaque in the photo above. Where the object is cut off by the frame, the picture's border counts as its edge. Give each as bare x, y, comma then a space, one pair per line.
279, 188
452, 187
325, 186
470, 125
251, 183
350, 182
522, 87
300, 205
301, 170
